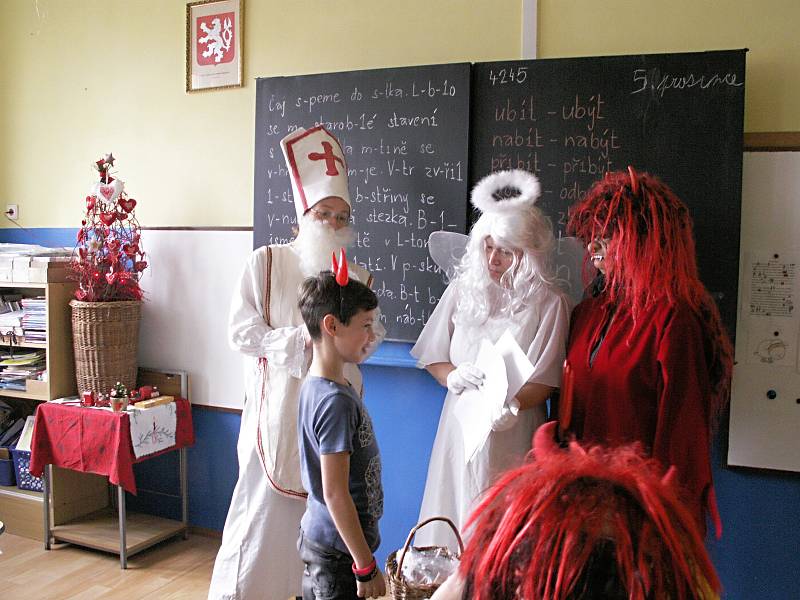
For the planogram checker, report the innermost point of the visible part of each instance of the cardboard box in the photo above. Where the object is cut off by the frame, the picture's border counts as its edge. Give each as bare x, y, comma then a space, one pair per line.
157, 401
34, 386
49, 272
20, 274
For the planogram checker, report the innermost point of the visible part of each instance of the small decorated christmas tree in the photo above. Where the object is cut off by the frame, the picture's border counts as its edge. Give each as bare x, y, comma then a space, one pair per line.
119, 390
108, 259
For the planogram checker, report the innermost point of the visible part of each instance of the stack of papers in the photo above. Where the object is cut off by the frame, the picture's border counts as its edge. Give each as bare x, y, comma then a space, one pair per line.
506, 369
15, 370
24, 442
34, 319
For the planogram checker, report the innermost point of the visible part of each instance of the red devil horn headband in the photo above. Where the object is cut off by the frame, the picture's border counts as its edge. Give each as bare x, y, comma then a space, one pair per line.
544, 440
634, 180
340, 268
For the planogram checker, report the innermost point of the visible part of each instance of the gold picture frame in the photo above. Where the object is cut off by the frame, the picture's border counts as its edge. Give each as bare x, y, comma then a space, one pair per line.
214, 42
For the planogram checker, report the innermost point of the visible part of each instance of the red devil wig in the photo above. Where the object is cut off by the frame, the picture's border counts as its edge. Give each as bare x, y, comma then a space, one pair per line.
582, 524
651, 256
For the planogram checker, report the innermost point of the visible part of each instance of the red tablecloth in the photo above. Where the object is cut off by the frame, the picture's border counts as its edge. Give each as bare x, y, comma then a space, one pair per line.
95, 441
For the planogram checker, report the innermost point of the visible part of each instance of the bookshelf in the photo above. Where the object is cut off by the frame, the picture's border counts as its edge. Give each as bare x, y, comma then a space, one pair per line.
72, 493
58, 347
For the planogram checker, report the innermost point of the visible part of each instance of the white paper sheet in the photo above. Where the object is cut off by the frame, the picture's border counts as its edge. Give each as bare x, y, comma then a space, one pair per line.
769, 320
518, 367
474, 407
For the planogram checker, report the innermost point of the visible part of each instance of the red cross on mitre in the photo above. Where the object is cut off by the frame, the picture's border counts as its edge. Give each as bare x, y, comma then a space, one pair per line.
329, 157
312, 156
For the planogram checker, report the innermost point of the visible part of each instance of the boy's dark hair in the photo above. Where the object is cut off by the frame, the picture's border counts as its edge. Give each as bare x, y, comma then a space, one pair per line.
321, 295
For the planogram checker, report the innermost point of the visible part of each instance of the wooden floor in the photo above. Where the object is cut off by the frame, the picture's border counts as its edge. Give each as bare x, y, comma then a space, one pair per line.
177, 569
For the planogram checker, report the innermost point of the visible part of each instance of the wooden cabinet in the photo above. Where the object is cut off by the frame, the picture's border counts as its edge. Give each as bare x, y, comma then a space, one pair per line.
72, 493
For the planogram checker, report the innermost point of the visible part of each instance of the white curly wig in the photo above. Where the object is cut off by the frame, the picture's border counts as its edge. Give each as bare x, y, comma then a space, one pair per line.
510, 217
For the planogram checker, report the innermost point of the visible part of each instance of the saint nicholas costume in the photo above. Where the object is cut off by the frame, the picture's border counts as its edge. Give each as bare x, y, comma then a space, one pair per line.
258, 558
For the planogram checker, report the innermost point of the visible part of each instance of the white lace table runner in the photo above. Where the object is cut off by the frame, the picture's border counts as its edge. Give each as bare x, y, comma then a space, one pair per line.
153, 429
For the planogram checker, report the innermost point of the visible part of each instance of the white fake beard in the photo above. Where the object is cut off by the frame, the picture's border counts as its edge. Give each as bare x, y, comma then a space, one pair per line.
316, 241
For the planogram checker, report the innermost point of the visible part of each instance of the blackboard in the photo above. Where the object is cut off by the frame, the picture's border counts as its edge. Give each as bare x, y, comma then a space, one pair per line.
405, 134
678, 116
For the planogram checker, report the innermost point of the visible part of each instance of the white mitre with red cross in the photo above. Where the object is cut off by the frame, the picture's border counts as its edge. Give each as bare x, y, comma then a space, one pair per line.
316, 166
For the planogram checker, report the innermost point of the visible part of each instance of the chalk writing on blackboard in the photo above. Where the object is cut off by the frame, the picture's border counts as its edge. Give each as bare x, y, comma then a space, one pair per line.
568, 142
404, 134
658, 82
569, 121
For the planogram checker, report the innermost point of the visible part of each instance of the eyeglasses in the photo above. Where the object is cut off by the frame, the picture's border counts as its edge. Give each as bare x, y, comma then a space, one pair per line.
342, 218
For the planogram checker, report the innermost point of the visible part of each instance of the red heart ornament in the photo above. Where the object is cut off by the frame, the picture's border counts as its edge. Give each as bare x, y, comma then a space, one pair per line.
90, 202
140, 265
111, 278
107, 191
121, 216
130, 249
108, 218
113, 245
127, 204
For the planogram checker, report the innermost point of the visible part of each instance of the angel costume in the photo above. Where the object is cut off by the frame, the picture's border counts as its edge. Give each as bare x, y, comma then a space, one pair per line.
453, 487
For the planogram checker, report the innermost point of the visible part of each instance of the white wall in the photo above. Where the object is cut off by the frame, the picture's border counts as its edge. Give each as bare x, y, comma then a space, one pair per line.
188, 289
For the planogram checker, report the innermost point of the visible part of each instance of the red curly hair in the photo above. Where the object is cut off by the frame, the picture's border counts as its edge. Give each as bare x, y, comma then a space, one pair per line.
582, 524
651, 257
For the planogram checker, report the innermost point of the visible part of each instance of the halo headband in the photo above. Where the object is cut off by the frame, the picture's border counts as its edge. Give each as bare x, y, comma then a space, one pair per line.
505, 191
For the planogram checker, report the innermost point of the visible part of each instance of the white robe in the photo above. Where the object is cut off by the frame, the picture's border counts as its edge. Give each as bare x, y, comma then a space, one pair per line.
258, 557
452, 487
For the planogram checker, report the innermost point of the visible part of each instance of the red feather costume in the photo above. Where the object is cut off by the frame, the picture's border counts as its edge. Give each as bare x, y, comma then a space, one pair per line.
648, 358
582, 524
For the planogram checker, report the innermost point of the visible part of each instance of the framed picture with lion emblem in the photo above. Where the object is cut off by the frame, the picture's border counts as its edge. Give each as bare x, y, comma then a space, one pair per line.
214, 30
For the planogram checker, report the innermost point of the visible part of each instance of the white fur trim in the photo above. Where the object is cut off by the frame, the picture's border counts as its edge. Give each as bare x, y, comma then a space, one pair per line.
483, 192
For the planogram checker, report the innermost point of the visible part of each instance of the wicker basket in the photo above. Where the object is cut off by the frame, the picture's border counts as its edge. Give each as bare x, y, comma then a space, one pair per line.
105, 337
399, 588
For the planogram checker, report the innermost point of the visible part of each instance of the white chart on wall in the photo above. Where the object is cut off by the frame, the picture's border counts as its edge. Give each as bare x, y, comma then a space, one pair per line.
188, 288
765, 404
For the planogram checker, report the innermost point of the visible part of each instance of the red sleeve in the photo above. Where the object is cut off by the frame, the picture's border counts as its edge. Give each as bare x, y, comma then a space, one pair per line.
683, 434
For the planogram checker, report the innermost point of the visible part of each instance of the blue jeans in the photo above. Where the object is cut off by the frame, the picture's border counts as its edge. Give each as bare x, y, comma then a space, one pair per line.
328, 573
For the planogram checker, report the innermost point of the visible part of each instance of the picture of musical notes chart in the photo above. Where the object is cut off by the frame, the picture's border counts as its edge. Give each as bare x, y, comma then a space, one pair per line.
772, 326
772, 288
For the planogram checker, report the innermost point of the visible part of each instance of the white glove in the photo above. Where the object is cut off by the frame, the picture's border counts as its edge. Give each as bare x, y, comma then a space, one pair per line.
465, 376
507, 416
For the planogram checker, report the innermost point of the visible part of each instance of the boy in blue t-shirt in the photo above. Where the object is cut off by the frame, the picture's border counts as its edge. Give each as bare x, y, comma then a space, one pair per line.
339, 457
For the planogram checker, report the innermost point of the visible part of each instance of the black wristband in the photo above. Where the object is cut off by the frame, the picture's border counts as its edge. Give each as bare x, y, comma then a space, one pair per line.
367, 578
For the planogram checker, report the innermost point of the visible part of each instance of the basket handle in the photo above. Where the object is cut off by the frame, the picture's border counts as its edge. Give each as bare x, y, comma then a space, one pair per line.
423, 523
